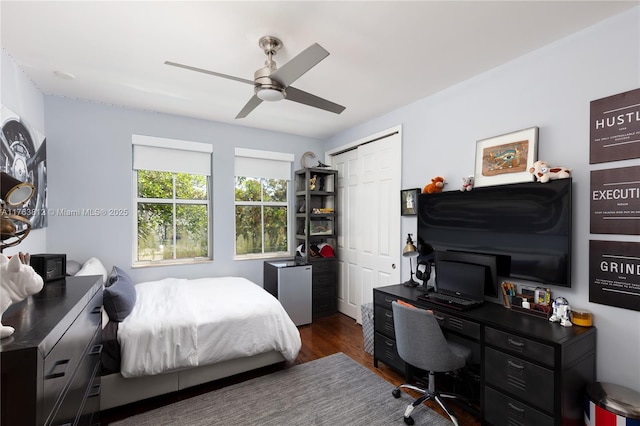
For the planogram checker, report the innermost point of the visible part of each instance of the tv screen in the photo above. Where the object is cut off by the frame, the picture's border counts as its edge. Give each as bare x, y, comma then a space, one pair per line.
527, 226
490, 263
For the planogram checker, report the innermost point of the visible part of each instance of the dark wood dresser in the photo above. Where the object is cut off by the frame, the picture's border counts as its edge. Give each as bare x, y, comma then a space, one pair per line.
50, 365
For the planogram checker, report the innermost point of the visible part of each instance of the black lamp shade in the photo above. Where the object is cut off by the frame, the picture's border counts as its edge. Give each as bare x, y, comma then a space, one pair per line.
14, 192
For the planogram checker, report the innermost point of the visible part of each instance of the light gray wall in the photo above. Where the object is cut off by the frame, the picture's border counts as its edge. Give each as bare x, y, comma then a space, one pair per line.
22, 97
550, 88
90, 167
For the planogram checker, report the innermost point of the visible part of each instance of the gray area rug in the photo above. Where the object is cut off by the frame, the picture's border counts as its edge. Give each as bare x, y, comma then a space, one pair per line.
331, 391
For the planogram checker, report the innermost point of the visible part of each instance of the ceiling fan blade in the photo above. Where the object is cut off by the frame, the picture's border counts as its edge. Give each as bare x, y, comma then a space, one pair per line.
293, 70
250, 106
217, 74
302, 97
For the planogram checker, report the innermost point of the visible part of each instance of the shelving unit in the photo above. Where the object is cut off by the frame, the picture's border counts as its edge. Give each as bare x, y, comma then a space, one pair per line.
316, 207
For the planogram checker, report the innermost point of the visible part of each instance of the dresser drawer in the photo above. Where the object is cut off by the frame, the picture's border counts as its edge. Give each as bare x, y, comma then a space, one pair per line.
323, 280
65, 357
386, 351
384, 300
459, 325
323, 292
323, 306
326, 267
500, 410
520, 378
383, 320
531, 349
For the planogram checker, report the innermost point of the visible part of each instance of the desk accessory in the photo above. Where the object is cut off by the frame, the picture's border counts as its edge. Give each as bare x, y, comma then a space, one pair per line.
410, 251
50, 267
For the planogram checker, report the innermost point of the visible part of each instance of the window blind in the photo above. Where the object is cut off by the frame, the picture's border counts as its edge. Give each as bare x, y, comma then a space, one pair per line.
263, 164
171, 155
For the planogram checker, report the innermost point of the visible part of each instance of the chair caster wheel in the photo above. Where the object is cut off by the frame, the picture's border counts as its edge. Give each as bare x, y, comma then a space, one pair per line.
396, 393
409, 420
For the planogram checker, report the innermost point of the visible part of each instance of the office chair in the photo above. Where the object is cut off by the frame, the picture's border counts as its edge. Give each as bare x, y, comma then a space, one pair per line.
422, 345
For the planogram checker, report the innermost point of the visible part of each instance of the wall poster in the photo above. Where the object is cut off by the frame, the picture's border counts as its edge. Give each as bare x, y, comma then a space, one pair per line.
23, 155
614, 273
615, 128
615, 201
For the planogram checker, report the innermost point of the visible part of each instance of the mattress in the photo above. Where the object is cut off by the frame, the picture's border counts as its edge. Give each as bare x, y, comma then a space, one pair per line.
180, 323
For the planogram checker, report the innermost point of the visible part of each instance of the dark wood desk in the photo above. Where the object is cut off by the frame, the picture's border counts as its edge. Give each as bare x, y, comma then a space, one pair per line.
532, 372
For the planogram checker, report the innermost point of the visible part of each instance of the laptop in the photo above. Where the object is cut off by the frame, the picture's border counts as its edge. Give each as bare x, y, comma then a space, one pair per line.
458, 285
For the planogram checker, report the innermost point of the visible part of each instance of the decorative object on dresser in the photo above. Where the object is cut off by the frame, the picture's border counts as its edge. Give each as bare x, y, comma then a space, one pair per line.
50, 267
317, 233
18, 281
50, 366
14, 227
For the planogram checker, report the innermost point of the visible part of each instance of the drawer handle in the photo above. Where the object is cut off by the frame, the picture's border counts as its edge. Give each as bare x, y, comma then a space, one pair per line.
439, 317
95, 391
62, 364
386, 299
515, 343
388, 343
516, 409
97, 310
96, 350
388, 315
514, 365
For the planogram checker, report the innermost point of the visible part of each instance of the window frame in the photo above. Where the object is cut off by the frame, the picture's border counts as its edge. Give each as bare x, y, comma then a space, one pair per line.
186, 150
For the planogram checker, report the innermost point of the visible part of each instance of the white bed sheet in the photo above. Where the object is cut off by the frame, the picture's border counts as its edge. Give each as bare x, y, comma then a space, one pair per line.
179, 323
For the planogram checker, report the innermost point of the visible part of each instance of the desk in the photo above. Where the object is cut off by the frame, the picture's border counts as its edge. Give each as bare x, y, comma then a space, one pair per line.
532, 372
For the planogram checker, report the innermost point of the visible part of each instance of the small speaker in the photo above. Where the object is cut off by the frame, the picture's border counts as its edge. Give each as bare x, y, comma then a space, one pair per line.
50, 267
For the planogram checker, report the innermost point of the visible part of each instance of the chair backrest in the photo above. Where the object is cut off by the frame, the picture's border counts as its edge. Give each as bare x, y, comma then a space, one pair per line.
420, 341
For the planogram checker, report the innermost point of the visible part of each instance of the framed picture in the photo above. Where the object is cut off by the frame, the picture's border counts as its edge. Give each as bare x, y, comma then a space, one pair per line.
409, 201
506, 158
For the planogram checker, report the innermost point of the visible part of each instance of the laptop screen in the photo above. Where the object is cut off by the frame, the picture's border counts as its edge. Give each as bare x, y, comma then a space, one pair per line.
460, 279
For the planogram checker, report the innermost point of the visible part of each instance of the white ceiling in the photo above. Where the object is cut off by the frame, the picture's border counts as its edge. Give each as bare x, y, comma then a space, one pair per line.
383, 54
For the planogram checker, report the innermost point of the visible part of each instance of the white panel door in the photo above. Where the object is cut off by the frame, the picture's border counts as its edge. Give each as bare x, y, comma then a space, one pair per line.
369, 221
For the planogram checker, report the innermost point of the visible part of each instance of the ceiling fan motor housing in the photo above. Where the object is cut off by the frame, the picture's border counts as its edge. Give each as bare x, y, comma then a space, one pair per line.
266, 88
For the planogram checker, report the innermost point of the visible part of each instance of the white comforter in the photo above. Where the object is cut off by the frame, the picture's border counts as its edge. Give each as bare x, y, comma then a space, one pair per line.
178, 323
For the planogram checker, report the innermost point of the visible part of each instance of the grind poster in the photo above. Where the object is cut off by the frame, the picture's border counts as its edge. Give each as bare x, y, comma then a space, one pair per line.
615, 201
614, 273
615, 128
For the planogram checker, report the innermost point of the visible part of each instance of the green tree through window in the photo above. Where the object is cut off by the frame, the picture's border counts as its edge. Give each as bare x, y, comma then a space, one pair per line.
261, 216
173, 216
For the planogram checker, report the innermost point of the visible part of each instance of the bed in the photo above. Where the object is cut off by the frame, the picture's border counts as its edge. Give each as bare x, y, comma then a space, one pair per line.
172, 334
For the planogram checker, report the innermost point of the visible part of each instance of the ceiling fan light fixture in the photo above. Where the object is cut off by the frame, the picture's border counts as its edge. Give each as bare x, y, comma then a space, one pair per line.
270, 94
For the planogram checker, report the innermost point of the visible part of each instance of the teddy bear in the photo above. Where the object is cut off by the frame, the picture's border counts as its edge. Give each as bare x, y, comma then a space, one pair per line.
543, 173
436, 185
467, 183
18, 280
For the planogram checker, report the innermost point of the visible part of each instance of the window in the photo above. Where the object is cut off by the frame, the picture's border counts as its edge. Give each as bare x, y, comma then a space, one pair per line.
262, 203
172, 200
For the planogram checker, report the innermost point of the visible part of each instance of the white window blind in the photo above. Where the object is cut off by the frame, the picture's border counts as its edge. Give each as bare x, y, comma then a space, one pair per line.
263, 164
171, 155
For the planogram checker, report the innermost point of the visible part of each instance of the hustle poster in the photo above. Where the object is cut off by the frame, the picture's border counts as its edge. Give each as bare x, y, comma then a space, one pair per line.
614, 273
615, 128
615, 201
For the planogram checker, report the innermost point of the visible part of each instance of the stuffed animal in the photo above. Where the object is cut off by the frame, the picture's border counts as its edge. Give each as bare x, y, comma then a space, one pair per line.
467, 183
18, 280
436, 185
543, 173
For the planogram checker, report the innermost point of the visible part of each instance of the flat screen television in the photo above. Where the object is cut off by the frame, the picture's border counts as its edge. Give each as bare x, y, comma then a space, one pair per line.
527, 226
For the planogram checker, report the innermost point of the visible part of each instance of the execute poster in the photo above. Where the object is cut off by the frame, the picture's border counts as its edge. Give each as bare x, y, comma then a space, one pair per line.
615, 201
614, 273
615, 128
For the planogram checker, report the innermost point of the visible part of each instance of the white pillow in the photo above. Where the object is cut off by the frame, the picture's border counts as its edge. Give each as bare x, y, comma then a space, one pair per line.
93, 267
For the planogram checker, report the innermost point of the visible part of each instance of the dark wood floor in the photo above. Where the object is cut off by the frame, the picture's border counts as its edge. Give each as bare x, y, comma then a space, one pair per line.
326, 336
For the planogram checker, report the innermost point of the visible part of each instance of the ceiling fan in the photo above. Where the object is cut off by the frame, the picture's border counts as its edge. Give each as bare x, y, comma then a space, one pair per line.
272, 83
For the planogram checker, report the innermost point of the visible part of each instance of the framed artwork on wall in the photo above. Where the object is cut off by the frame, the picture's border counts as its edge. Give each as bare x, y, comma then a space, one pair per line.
506, 158
409, 201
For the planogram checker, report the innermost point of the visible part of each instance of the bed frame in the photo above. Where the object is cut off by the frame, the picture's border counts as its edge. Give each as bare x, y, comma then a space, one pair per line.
117, 391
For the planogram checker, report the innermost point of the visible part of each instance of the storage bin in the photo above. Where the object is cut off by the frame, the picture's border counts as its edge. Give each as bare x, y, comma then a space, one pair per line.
611, 405
367, 326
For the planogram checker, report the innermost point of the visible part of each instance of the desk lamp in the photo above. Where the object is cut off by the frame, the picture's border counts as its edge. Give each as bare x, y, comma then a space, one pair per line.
410, 251
13, 194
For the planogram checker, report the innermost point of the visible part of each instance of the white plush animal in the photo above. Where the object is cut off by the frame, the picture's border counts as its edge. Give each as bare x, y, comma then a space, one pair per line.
543, 173
467, 183
18, 280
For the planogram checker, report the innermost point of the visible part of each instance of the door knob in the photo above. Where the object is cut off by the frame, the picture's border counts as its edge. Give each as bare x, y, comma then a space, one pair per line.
393, 266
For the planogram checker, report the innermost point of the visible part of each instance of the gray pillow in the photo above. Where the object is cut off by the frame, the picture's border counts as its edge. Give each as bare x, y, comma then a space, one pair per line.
119, 296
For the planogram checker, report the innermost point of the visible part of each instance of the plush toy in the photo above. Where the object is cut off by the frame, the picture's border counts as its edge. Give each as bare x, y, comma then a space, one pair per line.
18, 280
467, 183
543, 173
436, 185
